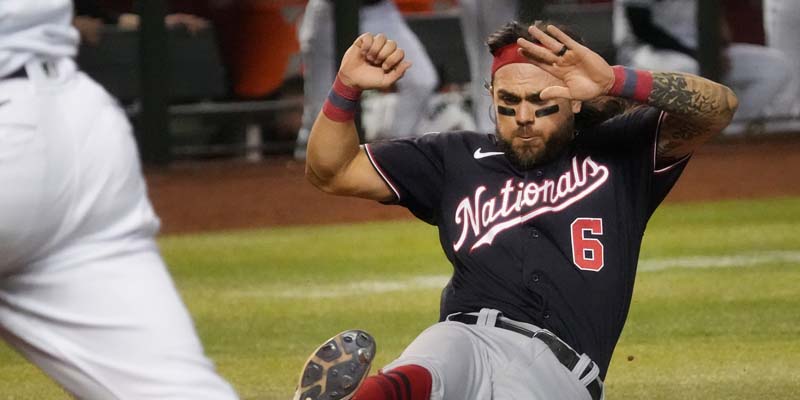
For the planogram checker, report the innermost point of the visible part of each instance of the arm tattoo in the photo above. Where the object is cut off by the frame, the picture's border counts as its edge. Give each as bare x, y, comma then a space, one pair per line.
696, 108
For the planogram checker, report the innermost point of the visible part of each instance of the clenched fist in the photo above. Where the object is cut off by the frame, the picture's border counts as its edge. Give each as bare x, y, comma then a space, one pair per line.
372, 62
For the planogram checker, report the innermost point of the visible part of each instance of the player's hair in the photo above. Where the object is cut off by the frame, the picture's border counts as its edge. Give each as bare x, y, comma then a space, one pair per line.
593, 112
509, 34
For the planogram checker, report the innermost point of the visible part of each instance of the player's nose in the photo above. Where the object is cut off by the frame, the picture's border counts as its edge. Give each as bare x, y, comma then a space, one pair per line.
526, 115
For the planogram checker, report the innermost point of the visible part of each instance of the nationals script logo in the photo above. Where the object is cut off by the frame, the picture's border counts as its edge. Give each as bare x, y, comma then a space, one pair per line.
488, 217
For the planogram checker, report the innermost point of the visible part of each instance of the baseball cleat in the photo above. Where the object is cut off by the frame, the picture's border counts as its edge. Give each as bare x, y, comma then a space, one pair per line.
337, 368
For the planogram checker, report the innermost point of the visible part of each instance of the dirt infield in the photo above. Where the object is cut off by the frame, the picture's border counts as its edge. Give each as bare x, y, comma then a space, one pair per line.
207, 196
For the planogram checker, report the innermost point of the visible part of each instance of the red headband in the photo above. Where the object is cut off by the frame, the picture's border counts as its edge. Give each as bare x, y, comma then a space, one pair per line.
509, 54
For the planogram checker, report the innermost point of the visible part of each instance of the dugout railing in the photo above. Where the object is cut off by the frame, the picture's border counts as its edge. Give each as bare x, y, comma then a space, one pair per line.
199, 80
199, 85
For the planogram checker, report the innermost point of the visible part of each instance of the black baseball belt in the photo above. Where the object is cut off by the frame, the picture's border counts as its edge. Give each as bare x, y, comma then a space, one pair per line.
565, 355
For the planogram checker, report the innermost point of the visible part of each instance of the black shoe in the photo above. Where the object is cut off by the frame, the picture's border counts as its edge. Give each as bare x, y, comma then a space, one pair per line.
337, 368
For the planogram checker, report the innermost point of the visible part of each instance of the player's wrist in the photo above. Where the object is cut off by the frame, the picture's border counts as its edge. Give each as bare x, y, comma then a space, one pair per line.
629, 83
342, 101
346, 81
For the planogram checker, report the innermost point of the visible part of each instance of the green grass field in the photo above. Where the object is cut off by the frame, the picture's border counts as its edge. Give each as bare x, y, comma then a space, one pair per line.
716, 313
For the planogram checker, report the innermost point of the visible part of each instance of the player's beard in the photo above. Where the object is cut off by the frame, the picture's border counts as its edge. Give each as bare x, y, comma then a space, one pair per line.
525, 155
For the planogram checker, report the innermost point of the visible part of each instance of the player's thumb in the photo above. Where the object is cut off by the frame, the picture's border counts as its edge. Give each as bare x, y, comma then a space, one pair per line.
399, 71
553, 92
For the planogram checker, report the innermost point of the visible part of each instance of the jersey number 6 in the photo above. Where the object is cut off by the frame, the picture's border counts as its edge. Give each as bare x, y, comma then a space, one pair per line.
587, 252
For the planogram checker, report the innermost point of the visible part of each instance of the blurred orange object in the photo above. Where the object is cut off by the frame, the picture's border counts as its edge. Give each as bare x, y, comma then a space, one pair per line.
265, 42
412, 6
255, 36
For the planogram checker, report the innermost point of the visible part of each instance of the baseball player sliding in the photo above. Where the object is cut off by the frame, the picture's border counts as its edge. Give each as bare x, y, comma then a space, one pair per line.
84, 293
542, 219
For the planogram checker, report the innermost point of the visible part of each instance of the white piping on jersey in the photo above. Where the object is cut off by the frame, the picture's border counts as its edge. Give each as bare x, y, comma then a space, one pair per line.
673, 165
655, 149
380, 171
572, 186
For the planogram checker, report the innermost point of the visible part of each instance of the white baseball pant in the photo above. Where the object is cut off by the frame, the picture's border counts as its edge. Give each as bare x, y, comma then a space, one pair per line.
84, 293
479, 19
782, 28
484, 362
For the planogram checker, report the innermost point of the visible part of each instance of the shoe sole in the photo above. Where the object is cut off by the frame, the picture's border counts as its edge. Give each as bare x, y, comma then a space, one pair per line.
337, 368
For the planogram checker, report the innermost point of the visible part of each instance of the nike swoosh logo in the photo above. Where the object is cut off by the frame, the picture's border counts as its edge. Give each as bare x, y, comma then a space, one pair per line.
478, 154
4, 102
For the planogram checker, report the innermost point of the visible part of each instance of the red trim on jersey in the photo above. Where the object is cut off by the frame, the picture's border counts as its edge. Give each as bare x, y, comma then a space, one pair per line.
380, 171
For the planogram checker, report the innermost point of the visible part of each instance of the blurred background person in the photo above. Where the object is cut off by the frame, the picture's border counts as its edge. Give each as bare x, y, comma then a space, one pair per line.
480, 18
92, 15
662, 35
90, 18
317, 33
782, 29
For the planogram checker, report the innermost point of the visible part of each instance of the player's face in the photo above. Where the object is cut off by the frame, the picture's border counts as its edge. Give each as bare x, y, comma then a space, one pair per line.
531, 131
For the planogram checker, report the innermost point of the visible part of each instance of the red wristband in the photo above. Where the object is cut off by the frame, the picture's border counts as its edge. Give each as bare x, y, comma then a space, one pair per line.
345, 91
342, 102
631, 83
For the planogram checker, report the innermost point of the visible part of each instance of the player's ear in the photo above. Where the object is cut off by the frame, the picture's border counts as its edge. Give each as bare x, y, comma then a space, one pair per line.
576, 106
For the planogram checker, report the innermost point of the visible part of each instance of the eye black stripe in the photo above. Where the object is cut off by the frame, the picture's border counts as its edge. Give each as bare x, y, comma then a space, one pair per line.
507, 111
543, 112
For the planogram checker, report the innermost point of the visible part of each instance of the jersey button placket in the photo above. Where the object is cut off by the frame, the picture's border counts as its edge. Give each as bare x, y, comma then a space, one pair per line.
536, 280
534, 233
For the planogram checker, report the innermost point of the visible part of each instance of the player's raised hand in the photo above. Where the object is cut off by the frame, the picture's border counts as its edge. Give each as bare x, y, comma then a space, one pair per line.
586, 75
373, 62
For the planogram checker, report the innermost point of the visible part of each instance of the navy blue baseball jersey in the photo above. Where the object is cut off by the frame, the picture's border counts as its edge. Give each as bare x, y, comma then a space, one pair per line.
556, 245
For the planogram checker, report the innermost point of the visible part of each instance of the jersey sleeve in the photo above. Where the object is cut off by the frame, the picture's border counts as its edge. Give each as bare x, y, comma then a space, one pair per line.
632, 138
414, 171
